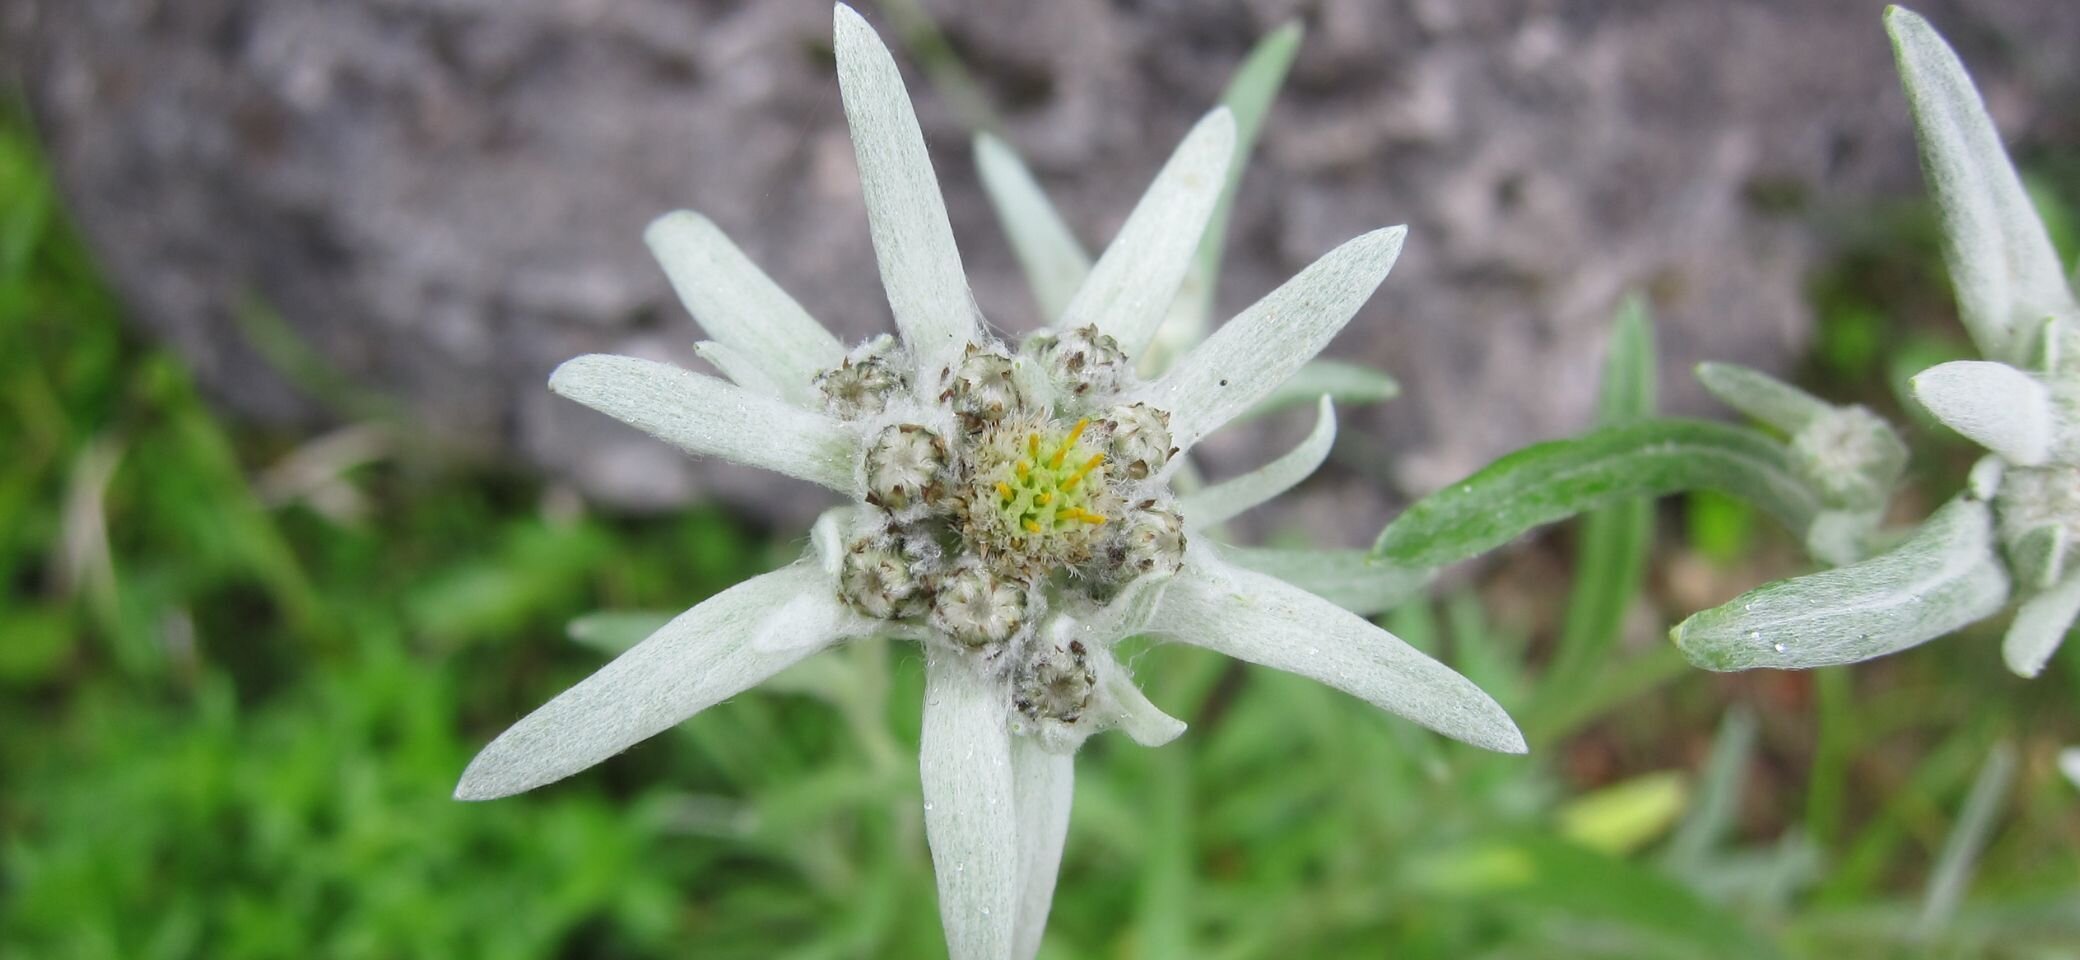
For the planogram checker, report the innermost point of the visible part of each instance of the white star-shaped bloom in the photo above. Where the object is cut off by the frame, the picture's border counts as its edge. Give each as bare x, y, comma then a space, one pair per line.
1012, 507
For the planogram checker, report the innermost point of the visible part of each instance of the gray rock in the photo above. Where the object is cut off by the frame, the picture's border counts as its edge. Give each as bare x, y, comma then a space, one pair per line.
444, 198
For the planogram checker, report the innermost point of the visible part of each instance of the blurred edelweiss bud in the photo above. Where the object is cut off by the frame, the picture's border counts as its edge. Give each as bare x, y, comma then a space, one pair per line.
2012, 530
1012, 509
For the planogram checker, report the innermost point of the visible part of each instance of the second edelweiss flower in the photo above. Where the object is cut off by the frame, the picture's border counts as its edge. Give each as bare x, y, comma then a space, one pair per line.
1013, 510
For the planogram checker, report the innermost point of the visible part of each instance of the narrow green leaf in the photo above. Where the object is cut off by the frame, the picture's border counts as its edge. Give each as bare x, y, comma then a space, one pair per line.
1611, 556
1248, 97
1348, 384
1943, 577
1954, 866
1552, 481
1718, 792
614, 631
1552, 876
1352, 579
1835, 721
1628, 371
1761, 396
1054, 262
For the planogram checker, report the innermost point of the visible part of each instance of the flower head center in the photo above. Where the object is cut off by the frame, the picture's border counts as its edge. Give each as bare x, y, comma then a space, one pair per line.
1048, 488
1038, 496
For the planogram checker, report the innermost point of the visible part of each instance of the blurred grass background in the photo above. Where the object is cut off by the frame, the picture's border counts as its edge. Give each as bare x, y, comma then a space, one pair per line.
240, 671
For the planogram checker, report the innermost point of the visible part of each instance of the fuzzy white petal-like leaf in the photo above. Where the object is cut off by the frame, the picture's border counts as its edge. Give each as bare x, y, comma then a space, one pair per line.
743, 371
2007, 275
1995, 405
2040, 625
1129, 290
1945, 576
703, 656
1055, 263
1226, 500
1261, 619
1255, 352
1127, 708
741, 307
1761, 396
1355, 580
913, 241
2069, 764
964, 756
1043, 783
812, 619
707, 417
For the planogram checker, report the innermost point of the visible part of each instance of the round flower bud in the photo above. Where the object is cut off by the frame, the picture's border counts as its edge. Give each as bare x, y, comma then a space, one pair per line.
876, 580
904, 465
980, 388
1054, 683
1151, 542
1851, 456
860, 386
1085, 361
976, 607
1138, 440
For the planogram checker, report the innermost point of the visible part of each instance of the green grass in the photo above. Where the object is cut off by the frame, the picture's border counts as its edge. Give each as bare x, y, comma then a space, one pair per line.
232, 709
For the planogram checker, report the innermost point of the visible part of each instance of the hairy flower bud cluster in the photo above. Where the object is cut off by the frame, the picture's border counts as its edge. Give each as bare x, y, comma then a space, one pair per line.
2039, 514
862, 385
1054, 683
1014, 485
1851, 456
1083, 361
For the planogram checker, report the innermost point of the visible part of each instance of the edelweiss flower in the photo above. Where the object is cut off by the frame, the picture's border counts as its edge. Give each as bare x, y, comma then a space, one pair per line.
1013, 509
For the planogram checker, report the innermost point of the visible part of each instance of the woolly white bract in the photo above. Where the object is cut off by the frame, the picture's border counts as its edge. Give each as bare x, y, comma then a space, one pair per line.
1012, 507
2022, 403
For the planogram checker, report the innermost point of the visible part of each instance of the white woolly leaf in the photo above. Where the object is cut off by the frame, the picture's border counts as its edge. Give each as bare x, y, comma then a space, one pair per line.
1128, 291
1042, 784
707, 417
1251, 355
744, 372
703, 656
1217, 504
913, 241
741, 307
1997, 406
2007, 275
1261, 619
2040, 625
964, 758
1945, 576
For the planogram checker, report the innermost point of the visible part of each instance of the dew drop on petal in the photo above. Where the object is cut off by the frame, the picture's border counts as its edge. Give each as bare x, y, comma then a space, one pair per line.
1779, 647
